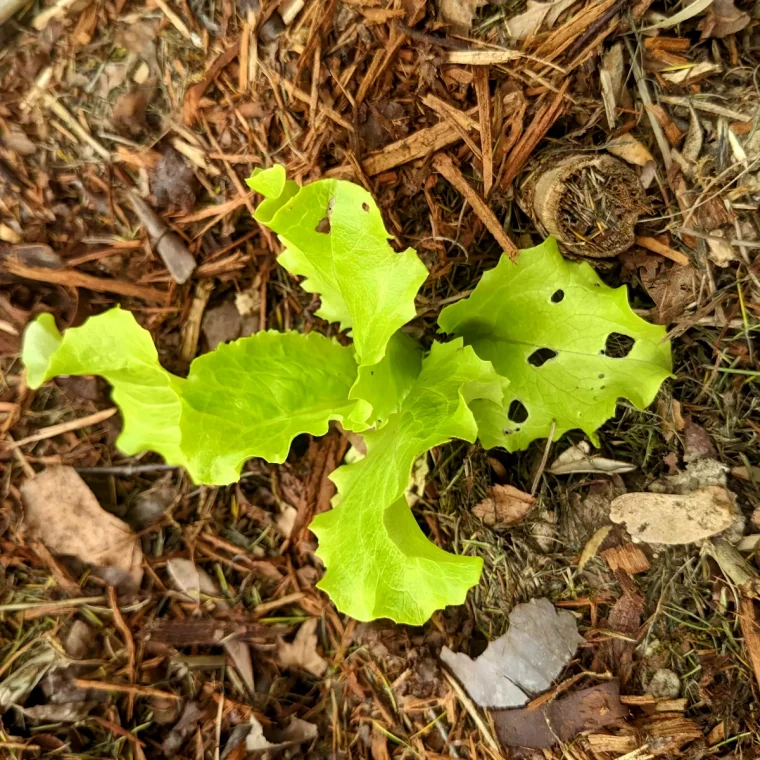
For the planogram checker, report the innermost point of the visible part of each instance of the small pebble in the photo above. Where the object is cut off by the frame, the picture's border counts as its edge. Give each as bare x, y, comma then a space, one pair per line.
664, 684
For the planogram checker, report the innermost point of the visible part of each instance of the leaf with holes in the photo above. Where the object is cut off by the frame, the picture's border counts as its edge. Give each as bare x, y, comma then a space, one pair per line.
569, 344
246, 399
379, 563
334, 236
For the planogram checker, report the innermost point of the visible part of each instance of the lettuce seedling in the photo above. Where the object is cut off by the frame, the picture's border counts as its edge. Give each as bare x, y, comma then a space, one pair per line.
528, 358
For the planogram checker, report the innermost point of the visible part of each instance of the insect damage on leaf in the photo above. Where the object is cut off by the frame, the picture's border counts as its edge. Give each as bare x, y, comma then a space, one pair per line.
334, 237
379, 563
540, 341
570, 345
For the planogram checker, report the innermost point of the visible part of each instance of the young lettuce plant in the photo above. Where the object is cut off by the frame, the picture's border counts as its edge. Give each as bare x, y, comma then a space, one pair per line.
527, 360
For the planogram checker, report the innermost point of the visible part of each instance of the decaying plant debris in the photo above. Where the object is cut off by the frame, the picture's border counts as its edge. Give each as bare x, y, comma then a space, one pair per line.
590, 203
443, 112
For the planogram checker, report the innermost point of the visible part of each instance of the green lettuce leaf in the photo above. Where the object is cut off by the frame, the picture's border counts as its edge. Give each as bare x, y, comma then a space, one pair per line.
379, 563
334, 236
380, 388
251, 398
114, 346
543, 322
245, 399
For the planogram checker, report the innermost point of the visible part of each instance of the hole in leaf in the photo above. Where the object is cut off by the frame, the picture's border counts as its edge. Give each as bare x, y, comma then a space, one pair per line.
517, 411
323, 226
540, 356
601, 375
618, 345
365, 207
557, 296
300, 445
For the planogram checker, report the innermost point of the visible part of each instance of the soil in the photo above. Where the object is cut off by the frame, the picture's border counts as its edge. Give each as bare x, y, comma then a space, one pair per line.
439, 111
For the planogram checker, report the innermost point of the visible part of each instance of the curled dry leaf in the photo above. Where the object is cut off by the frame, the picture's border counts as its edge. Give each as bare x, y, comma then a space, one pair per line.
526, 24
611, 81
723, 18
692, 74
186, 724
657, 518
62, 512
630, 150
459, 13
17, 686
302, 653
503, 506
524, 661
296, 732
578, 458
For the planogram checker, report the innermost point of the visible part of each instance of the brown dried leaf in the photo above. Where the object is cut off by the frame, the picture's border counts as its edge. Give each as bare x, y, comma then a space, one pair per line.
503, 506
697, 443
68, 712
630, 149
296, 732
459, 13
136, 36
128, 115
526, 24
302, 653
62, 512
611, 80
671, 287
723, 19
692, 145
173, 182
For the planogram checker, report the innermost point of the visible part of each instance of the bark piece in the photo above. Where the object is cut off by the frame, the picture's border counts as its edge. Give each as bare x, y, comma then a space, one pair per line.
589, 202
561, 720
169, 245
629, 558
659, 518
